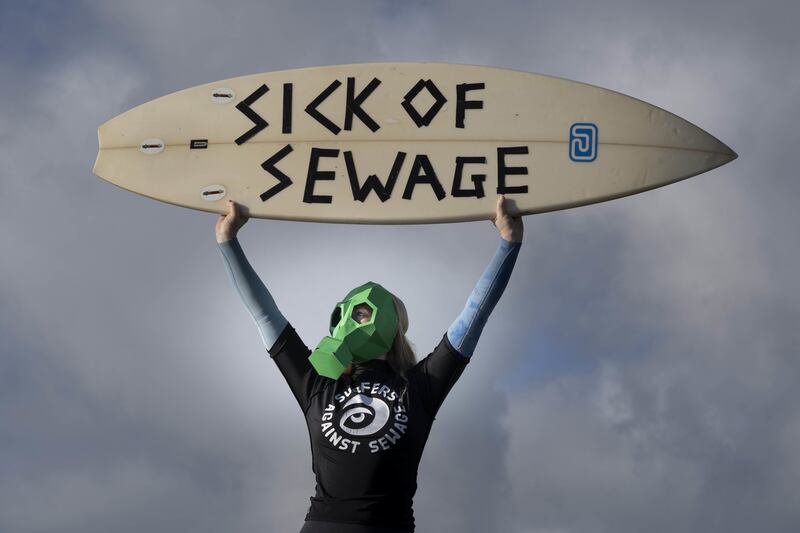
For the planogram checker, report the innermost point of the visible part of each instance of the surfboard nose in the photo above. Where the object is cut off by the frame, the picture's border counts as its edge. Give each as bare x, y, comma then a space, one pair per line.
725, 153
730, 153
722, 152
721, 155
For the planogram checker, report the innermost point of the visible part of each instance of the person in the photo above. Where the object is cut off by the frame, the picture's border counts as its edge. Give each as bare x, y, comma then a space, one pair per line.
368, 422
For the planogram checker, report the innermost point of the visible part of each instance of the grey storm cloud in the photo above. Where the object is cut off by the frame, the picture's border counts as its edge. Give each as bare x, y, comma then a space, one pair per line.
638, 374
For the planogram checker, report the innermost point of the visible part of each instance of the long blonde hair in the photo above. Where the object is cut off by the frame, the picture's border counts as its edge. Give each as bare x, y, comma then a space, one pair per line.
401, 357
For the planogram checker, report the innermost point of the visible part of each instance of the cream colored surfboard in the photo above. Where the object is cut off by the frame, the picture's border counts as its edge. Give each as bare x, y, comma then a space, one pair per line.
394, 143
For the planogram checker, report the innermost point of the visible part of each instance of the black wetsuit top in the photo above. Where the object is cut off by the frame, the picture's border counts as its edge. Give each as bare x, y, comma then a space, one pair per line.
367, 430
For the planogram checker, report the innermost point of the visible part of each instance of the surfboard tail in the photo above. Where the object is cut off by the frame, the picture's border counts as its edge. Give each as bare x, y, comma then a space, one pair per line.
97, 158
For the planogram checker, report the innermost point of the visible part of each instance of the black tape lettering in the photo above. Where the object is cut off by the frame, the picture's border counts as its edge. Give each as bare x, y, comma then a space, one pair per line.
384, 192
462, 104
244, 107
422, 163
314, 174
311, 108
439, 101
198, 144
287, 108
283, 180
503, 170
354, 104
477, 179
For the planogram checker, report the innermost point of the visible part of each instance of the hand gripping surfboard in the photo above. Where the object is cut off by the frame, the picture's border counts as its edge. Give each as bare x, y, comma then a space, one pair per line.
398, 143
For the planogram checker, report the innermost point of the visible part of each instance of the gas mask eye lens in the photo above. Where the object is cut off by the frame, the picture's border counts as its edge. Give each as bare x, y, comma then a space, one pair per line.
362, 312
336, 316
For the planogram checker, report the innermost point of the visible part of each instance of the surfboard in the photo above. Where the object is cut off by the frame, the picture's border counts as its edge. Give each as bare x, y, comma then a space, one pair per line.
398, 143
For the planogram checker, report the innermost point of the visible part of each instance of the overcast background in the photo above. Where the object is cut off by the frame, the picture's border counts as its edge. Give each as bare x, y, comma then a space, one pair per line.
639, 374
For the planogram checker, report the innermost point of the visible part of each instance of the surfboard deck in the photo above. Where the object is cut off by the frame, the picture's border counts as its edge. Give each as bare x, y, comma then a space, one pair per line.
398, 143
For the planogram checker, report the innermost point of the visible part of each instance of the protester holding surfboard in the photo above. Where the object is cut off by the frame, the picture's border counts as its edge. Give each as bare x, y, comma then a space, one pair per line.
368, 404
389, 143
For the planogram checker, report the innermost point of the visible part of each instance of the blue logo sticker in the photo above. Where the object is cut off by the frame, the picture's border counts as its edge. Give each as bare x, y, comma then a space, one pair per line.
583, 142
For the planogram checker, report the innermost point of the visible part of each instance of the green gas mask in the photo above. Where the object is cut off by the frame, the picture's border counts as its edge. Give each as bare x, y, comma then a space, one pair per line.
354, 342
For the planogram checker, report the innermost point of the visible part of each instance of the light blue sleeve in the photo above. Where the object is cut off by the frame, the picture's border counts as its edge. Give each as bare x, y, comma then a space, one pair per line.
463, 334
254, 294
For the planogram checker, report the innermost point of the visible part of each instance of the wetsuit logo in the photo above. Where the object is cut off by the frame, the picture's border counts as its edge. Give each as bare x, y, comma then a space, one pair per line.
369, 413
363, 415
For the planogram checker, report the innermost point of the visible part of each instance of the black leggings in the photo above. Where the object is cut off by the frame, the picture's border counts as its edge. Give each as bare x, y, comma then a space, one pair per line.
312, 526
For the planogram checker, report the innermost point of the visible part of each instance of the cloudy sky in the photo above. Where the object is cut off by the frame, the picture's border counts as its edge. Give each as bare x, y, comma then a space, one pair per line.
639, 374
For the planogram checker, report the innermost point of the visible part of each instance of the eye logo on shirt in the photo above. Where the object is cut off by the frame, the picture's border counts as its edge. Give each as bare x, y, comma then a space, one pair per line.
370, 413
363, 415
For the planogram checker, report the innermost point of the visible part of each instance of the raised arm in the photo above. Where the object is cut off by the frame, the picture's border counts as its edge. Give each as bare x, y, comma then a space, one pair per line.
251, 289
465, 331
